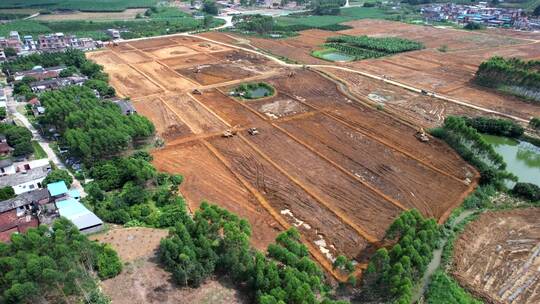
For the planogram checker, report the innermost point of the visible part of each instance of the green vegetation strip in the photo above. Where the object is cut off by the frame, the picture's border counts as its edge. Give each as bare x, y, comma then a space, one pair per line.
81, 5
363, 47
39, 153
513, 76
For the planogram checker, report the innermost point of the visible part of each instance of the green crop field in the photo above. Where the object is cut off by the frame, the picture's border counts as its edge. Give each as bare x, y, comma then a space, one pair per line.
82, 5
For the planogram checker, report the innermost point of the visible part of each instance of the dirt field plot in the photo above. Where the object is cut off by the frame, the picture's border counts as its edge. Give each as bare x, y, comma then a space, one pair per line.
193, 114
143, 281
183, 61
105, 57
228, 109
307, 167
208, 47
207, 74
173, 51
134, 56
202, 171
326, 96
150, 44
128, 82
299, 208
395, 175
167, 124
413, 107
498, 256
164, 76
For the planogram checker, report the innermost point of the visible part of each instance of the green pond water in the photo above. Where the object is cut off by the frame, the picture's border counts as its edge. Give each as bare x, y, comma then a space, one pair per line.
336, 56
259, 92
522, 158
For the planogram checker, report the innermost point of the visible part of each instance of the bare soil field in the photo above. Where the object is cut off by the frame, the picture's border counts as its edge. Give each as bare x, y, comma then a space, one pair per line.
307, 168
203, 172
167, 124
143, 281
129, 13
447, 72
497, 257
164, 76
416, 108
173, 51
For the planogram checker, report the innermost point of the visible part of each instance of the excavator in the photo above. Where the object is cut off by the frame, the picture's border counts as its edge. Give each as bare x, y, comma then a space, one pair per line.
421, 135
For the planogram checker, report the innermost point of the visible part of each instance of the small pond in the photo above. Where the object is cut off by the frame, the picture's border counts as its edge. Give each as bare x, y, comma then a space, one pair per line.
336, 56
522, 158
259, 92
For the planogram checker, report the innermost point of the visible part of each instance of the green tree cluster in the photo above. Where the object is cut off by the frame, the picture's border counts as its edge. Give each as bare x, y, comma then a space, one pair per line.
19, 138
215, 241
58, 175
327, 7
254, 23
128, 190
392, 273
498, 71
210, 7
527, 191
444, 290
495, 126
472, 26
92, 129
468, 143
535, 123
6, 193
52, 266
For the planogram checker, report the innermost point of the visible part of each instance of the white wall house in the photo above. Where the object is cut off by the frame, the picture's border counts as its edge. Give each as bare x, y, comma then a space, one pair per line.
22, 182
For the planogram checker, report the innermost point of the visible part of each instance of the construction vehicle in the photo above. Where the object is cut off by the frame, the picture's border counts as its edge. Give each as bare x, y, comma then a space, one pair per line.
196, 92
253, 131
424, 92
230, 132
421, 135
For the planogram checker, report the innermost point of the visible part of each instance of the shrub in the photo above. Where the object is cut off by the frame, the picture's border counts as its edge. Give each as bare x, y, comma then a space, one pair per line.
58, 175
527, 191
535, 123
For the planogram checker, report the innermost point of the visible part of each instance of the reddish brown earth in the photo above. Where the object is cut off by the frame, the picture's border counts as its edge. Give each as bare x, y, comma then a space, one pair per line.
324, 161
143, 281
497, 257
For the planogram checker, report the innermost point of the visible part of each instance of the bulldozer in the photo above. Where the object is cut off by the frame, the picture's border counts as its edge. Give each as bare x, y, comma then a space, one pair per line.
196, 92
230, 132
421, 135
253, 131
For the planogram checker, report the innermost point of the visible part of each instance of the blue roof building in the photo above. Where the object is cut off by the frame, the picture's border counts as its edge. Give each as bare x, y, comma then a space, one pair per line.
57, 189
79, 215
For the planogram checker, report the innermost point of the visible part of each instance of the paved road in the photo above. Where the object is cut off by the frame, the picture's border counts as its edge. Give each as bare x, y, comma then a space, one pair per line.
51, 156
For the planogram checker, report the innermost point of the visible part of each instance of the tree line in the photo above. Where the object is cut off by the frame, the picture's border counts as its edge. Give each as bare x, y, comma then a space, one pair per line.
55, 265
391, 274
216, 242
468, 143
19, 138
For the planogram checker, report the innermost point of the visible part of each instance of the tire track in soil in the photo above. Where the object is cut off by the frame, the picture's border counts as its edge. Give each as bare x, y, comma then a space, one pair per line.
323, 261
334, 164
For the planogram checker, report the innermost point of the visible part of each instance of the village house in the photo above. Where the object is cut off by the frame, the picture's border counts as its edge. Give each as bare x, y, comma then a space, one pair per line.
57, 83
13, 41
25, 181
26, 211
40, 73
7, 167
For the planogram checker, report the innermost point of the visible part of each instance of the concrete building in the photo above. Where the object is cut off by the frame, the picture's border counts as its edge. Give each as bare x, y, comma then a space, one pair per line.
39, 72
7, 167
26, 211
26, 181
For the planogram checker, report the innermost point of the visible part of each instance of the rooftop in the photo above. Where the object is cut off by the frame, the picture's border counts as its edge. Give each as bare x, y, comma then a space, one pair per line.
24, 177
24, 199
57, 188
78, 214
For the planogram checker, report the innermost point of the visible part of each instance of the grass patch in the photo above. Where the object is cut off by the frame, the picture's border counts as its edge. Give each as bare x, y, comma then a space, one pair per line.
81, 5
39, 153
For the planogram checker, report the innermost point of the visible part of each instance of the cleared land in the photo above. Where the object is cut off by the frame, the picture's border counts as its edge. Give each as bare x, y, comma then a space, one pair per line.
446, 66
498, 256
62, 16
335, 168
143, 281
